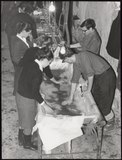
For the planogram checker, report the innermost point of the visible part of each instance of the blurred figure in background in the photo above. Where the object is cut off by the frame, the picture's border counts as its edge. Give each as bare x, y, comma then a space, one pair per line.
23, 14
75, 26
113, 45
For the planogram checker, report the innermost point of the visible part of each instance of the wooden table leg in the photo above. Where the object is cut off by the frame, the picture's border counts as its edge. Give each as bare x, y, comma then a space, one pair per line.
99, 138
39, 147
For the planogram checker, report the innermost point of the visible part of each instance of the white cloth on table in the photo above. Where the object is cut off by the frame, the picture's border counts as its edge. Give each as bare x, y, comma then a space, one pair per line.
55, 131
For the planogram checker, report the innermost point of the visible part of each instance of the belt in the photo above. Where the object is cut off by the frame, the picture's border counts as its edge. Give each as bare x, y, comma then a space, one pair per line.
103, 72
106, 70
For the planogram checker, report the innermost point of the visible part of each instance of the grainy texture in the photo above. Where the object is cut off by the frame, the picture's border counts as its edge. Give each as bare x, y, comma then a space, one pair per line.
103, 13
10, 148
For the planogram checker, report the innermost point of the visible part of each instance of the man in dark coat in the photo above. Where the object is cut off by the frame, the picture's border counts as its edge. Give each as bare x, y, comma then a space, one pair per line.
113, 45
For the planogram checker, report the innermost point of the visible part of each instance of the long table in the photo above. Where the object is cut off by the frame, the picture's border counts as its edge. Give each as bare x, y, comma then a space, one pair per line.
55, 94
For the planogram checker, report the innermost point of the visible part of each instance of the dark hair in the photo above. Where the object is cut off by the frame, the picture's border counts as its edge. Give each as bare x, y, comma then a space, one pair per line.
20, 26
69, 53
44, 53
35, 53
88, 23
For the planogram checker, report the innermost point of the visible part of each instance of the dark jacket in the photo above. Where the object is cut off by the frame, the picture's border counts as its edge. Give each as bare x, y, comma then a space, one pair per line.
31, 78
29, 82
113, 45
10, 28
18, 48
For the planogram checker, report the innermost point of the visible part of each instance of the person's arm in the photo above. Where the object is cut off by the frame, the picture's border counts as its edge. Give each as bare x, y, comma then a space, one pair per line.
74, 81
89, 84
75, 45
36, 89
70, 99
73, 88
55, 81
48, 72
89, 71
17, 51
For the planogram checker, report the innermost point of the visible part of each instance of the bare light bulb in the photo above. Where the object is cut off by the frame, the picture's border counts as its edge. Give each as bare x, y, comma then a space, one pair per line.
117, 5
62, 51
51, 7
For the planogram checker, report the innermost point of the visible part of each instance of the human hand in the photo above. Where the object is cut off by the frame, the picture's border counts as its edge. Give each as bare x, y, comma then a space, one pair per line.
67, 102
67, 45
84, 88
62, 43
40, 108
59, 82
30, 37
56, 82
54, 46
45, 108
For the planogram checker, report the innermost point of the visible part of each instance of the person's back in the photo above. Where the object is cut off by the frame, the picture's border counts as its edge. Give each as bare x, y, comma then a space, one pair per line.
89, 64
96, 62
29, 80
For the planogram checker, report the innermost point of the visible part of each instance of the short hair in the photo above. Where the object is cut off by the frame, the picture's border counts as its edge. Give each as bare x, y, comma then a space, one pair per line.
35, 53
44, 52
20, 26
88, 23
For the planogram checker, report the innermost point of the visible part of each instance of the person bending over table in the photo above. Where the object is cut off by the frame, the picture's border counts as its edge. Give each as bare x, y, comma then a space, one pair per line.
101, 82
34, 63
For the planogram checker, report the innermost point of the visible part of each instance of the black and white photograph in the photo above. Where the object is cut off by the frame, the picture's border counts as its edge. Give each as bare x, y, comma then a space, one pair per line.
60, 80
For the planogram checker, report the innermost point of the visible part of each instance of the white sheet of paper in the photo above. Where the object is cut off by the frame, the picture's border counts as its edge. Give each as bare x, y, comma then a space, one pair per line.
55, 131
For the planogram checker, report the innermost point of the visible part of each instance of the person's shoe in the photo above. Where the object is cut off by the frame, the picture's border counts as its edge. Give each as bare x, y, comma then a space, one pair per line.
20, 137
28, 143
109, 124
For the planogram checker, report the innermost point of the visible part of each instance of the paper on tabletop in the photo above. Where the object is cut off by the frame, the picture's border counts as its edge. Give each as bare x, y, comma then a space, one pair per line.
56, 131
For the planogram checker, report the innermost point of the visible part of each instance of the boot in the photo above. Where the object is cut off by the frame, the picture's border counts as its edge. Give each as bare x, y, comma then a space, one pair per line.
27, 143
20, 137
